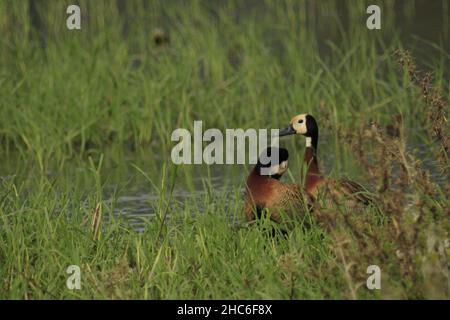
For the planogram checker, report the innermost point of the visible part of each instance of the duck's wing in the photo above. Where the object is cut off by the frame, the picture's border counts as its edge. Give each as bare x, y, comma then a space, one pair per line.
290, 199
356, 190
345, 191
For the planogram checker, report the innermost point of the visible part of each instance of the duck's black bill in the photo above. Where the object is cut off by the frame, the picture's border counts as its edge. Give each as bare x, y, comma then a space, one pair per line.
286, 131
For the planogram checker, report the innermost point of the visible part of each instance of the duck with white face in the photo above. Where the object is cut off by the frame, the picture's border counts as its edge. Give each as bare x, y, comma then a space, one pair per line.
353, 193
264, 190
305, 125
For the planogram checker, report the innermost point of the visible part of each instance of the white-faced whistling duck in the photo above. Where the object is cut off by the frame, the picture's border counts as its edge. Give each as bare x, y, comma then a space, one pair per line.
268, 192
315, 183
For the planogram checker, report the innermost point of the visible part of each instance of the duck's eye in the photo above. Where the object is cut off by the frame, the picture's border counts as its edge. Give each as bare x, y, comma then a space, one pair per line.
300, 121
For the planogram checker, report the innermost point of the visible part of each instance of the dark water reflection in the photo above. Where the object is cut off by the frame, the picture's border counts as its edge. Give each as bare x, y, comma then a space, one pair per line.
138, 201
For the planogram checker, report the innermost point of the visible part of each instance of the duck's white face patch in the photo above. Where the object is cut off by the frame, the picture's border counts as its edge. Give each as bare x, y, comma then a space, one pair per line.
299, 124
283, 167
279, 169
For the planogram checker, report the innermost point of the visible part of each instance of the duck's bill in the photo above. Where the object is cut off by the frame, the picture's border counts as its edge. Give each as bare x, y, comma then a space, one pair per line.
286, 131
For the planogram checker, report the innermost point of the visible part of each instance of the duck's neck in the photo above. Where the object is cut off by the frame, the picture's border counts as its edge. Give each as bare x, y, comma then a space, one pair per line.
310, 160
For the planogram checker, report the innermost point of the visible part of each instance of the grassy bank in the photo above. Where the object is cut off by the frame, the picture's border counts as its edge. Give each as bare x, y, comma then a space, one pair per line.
76, 104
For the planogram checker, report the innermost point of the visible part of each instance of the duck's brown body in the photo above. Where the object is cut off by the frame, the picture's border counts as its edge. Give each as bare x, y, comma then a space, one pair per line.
337, 191
265, 192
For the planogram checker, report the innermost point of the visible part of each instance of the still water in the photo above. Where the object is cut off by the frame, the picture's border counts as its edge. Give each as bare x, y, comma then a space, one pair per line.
138, 201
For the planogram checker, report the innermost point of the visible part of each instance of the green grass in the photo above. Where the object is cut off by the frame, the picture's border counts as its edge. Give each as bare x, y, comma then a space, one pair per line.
84, 111
198, 257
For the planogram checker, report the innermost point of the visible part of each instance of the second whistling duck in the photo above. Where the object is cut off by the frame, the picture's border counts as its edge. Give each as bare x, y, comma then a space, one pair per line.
266, 191
352, 193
